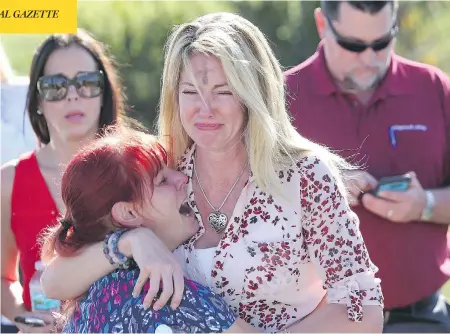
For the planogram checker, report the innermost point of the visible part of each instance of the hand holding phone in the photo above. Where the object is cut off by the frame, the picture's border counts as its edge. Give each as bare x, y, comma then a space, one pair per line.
36, 322
403, 200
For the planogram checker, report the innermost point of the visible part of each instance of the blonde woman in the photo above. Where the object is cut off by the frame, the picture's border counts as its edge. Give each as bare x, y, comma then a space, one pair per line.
277, 238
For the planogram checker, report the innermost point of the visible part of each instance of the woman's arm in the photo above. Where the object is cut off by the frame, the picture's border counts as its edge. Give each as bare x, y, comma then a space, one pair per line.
69, 277
66, 278
12, 303
337, 250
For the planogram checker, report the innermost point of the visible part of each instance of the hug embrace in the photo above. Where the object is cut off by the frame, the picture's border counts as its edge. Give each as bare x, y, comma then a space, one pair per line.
228, 220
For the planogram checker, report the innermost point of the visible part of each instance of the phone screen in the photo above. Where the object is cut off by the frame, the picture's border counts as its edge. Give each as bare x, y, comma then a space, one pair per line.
394, 183
394, 186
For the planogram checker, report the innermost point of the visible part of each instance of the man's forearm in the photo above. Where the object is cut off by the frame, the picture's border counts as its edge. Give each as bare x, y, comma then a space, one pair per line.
441, 210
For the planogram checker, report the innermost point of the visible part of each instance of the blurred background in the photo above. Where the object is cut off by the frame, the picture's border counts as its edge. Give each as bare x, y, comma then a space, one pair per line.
136, 31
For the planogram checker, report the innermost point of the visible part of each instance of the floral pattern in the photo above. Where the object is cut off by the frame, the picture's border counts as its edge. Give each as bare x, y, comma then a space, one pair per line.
280, 255
109, 307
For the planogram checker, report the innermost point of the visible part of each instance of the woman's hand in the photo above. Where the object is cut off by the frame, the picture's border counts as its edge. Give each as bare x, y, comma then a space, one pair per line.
157, 264
47, 317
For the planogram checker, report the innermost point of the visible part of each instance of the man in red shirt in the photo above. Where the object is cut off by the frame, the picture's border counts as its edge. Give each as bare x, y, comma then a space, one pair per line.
389, 116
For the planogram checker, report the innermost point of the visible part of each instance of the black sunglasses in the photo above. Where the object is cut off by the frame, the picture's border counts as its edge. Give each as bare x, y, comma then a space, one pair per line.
357, 46
55, 87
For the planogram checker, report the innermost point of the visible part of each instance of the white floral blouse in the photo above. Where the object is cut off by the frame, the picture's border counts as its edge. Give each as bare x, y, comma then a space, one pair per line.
280, 256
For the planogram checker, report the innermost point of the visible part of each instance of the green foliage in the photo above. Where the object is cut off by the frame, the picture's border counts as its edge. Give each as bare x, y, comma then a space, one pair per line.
136, 33
20, 50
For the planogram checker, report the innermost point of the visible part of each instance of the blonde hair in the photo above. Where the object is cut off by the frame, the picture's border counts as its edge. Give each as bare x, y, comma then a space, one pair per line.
256, 78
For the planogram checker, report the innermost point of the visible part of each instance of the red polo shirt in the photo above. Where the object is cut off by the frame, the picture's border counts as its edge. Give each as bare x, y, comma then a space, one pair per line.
404, 127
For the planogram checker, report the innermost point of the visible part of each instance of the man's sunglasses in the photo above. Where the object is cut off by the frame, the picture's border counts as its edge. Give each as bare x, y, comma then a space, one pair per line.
357, 46
55, 87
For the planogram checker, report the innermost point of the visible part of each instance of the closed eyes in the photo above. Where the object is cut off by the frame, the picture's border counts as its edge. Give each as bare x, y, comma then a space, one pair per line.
191, 92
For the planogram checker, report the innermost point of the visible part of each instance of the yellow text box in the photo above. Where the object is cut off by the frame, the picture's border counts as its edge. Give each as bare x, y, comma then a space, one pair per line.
38, 16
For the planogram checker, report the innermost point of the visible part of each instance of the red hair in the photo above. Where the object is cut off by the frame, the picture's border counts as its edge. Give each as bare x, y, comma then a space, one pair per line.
118, 167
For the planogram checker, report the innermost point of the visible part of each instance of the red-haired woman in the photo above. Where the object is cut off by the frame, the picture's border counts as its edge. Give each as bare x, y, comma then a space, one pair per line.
116, 183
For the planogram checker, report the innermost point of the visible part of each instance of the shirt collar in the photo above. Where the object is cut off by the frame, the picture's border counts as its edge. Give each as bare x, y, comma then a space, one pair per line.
186, 165
323, 82
396, 81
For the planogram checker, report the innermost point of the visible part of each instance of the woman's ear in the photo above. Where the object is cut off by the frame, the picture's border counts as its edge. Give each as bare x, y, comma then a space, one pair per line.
124, 213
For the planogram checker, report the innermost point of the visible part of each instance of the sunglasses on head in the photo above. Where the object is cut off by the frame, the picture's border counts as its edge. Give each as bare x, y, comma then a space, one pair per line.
55, 87
359, 46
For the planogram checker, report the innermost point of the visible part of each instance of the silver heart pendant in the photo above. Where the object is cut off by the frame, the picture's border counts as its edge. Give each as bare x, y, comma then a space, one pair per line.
217, 220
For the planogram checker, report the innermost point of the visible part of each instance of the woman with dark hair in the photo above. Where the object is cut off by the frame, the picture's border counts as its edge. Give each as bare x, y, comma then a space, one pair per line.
121, 182
74, 92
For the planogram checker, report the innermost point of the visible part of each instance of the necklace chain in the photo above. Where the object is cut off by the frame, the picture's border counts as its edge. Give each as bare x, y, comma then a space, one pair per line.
217, 220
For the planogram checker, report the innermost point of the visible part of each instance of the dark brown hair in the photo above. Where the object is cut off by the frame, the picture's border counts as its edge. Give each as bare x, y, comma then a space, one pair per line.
331, 7
113, 99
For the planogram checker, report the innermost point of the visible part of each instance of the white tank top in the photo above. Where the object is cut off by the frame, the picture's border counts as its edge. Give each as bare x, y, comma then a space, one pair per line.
205, 258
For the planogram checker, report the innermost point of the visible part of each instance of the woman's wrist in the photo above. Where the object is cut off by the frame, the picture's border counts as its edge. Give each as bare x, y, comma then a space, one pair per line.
12, 303
18, 310
112, 252
124, 244
136, 236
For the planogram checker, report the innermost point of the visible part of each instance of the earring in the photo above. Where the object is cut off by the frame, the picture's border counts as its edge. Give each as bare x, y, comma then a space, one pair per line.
39, 112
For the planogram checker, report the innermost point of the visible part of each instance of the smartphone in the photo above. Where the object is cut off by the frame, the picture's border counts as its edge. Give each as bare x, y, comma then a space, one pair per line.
30, 321
392, 183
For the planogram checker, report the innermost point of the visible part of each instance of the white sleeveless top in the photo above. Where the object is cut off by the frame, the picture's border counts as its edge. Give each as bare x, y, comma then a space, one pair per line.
205, 258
